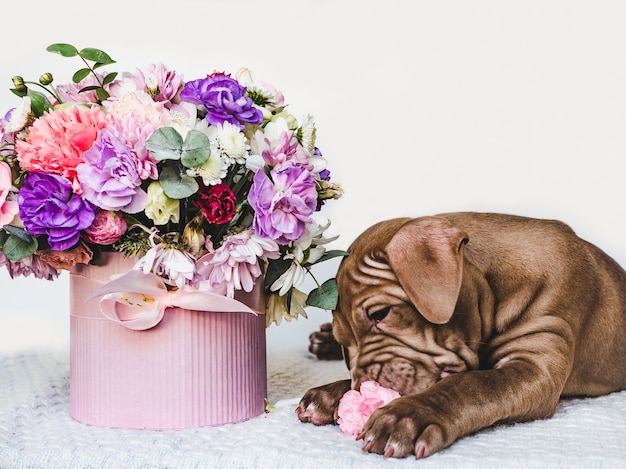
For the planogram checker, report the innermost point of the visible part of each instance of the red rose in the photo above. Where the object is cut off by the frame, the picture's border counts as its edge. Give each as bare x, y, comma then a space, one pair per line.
218, 204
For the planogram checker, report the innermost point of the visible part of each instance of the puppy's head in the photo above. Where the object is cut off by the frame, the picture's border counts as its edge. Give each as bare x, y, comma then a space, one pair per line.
398, 290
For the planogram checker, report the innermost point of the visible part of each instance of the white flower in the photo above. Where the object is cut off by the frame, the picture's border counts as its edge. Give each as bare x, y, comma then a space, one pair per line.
307, 250
308, 134
232, 143
271, 98
183, 117
20, 116
176, 267
212, 171
276, 307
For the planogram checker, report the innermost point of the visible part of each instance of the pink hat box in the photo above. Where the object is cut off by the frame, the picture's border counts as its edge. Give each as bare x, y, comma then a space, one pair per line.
192, 369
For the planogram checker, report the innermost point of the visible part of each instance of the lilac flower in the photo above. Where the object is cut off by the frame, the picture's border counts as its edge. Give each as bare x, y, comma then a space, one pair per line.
110, 177
49, 207
32, 264
224, 100
175, 266
284, 203
236, 262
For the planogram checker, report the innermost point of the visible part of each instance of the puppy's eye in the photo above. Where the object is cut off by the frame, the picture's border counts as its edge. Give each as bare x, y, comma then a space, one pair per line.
379, 315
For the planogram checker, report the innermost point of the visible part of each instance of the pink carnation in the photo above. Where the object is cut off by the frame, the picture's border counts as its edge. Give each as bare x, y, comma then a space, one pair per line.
355, 407
8, 208
57, 140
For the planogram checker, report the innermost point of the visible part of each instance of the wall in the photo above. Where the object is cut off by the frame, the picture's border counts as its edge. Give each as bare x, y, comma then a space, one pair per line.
421, 107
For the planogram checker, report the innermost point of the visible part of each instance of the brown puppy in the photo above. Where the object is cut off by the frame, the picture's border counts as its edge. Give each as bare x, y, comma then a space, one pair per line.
474, 319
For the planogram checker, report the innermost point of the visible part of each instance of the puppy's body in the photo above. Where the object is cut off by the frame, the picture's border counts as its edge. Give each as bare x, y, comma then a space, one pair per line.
474, 319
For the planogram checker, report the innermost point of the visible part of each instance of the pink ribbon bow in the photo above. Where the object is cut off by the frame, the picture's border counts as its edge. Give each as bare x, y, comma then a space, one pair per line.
138, 301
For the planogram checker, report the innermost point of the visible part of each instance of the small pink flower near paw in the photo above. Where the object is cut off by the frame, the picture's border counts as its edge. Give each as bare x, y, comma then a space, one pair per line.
355, 407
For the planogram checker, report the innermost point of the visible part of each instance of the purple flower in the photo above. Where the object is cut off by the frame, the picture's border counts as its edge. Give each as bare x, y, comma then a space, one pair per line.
49, 207
29, 265
284, 203
224, 100
110, 176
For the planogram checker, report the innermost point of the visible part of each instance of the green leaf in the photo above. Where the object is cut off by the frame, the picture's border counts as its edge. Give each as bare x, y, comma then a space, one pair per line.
102, 94
109, 78
196, 149
177, 185
21, 94
66, 50
80, 75
165, 144
324, 297
38, 102
19, 232
96, 55
15, 248
331, 255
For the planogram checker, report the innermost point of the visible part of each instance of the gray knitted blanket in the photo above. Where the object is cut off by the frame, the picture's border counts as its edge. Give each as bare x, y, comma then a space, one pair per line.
36, 430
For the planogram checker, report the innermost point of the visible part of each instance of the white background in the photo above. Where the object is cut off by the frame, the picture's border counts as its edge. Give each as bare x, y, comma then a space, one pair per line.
421, 107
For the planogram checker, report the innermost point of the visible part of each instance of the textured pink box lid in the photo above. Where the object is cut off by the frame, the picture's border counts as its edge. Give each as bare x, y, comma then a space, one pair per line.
193, 369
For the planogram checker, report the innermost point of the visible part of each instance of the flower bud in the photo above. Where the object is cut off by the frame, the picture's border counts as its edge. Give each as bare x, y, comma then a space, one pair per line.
46, 79
18, 83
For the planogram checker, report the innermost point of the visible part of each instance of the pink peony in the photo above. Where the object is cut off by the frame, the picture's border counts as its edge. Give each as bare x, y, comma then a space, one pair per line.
107, 227
8, 208
355, 407
57, 140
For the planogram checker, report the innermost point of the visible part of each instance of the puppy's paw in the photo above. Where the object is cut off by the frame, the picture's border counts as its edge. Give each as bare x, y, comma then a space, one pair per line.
323, 345
404, 427
319, 405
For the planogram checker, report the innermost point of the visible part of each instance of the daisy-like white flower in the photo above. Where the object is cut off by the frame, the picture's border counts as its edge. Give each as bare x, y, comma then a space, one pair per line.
278, 307
212, 171
231, 143
236, 262
20, 116
175, 266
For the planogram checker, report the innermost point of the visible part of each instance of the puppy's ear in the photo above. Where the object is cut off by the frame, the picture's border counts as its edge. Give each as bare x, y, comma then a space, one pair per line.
426, 255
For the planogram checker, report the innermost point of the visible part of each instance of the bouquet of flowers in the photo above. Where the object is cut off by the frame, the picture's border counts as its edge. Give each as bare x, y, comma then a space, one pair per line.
210, 183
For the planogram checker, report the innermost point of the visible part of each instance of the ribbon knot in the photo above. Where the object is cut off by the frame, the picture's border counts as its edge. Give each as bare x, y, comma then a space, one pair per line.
138, 301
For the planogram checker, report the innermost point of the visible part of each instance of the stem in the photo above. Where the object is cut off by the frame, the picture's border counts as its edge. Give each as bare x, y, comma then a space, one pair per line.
308, 271
52, 91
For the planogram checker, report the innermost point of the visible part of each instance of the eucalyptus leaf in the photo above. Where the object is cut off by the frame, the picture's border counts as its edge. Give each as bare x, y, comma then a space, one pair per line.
165, 144
19, 232
196, 149
177, 185
96, 55
15, 248
66, 50
325, 296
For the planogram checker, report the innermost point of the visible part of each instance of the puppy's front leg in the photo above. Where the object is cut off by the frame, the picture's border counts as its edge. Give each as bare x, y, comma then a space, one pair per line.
457, 406
319, 405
